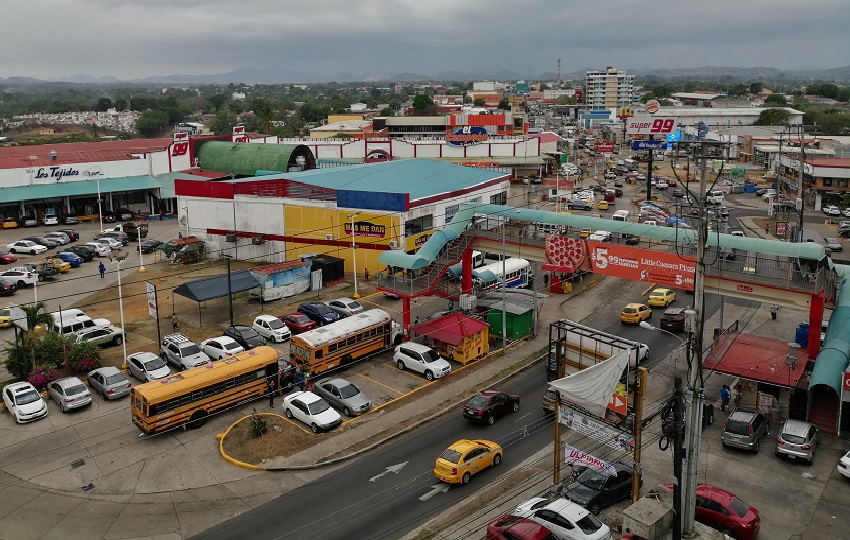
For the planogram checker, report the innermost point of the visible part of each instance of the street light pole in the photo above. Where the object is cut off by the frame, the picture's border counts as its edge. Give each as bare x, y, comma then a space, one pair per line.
142, 268
118, 260
229, 288
99, 208
186, 215
354, 253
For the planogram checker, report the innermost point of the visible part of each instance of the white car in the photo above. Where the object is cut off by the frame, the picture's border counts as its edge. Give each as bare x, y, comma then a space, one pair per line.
221, 347
831, 210
346, 306
50, 219
69, 393
420, 358
101, 250
22, 275
312, 410
24, 402
26, 246
769, 194
111, 242
147, 366
565, 519
600, 236
843, 464
271, 328
846, 212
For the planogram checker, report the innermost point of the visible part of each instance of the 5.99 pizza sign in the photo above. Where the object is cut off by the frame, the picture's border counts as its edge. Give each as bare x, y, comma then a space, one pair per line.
651, 125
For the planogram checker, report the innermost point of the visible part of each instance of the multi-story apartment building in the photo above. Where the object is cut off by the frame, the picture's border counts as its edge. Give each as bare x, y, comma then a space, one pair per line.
608, 89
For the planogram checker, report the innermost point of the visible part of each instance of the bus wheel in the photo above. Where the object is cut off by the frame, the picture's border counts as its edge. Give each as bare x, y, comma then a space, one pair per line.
197, 420
346, 359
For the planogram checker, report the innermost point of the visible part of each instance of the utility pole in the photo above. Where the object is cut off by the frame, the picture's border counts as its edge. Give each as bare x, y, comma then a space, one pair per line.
801, 162
649, 173
695, 405
678, 424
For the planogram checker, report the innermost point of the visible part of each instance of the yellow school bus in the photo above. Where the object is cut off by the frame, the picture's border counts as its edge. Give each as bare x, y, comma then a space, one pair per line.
345, 341
188, 397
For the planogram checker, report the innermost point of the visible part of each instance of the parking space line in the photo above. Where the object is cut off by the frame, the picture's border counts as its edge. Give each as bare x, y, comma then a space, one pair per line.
381, 384
406, 371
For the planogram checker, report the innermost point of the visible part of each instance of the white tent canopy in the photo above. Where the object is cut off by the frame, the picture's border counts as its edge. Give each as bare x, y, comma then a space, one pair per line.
591, 388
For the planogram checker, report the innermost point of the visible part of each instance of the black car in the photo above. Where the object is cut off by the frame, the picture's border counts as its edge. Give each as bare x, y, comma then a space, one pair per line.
596, 490
487, 405
149, 245
8, 287
598, 189
108, 216
632, 240
84, 252
72, 234
673, 320
245, 336
678, 193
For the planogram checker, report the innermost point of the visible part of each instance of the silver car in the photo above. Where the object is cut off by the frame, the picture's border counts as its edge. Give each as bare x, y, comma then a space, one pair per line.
69, 393
147, 366
744, 429
343, 395
346, 307
109, 382
797, 439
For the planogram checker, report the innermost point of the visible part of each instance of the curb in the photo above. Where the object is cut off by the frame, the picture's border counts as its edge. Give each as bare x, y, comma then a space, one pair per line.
231, 460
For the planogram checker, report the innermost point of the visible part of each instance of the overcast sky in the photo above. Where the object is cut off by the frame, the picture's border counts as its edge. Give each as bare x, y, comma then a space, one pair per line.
59, 38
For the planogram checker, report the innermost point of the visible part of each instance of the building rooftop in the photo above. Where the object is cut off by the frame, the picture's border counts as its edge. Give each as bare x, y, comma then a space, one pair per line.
16, 157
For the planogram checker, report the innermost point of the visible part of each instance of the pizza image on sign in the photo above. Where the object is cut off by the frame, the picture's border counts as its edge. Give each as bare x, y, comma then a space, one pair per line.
647, 265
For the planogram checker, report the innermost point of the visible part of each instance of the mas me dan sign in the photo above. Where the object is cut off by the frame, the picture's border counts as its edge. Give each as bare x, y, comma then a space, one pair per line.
366, 229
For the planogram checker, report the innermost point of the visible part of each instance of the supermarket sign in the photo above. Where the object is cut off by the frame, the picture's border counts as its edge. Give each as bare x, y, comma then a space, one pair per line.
665, 269
651, 125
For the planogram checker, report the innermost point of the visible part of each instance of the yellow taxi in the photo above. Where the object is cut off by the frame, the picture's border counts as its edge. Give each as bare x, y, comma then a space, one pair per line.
61, 265
5, 317
461, 460
634, 313
584, 233
603, 205
10, 223
661, 298
588, 201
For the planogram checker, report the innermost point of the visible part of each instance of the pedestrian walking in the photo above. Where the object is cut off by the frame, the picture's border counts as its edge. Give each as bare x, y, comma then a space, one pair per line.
299, 379
736, 395
271, 389
416, 320
366, 274
546, 280
766, 228
160, 214
724, 398
102, 269
175, 322
451, 304
774, 309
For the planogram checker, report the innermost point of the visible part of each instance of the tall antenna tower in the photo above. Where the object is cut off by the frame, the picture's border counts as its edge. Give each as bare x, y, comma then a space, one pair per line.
559, 71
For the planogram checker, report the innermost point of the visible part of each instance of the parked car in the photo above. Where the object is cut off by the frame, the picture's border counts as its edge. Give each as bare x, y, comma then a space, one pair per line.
150, 244
182, 352
319, 312
464, 457
245, 336
71, 258
147, 366
488, 405
111, 243
596, 490
6, 256
673, 320
723, 511
86, 253
114, 235
744, 429
26, 246
109, 382
343, 395
8, 287
59, 236
100, 250
10, 223
566, 519
843, 465
46, 242
422, 359
72, 234
220, 347
346, 307
108, 216
831, 210
60, 265
69, 218
28, 220
600, 236
100, 335
24, 402
22, 275
833, 244
509, 527
271, 328
579, 205
314, 411
50, 219
69, 393
548, 401
298, 322
634, 313
797, 439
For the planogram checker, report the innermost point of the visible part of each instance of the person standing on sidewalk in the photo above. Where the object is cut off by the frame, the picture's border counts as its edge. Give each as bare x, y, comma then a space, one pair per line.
102, 269
774, 309
366, 274
271, 389
724, 398
175, 322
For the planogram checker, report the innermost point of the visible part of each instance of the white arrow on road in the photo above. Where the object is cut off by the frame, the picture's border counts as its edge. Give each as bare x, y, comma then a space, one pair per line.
390, 469
436, 488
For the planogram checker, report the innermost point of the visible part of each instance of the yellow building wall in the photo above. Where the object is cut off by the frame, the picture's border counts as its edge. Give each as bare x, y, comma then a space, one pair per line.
330, 224
469, 349
333, 118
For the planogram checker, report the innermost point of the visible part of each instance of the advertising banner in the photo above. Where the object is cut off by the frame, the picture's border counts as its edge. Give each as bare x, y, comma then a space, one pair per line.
574, 456
152, 303
605, 147
665, 269
651, 125
596, 430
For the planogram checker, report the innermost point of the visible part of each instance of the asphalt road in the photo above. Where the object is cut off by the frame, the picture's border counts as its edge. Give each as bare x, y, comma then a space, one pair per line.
362, 500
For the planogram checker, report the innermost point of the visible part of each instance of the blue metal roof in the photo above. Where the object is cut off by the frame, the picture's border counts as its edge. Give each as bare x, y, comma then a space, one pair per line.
418, 177
78, 187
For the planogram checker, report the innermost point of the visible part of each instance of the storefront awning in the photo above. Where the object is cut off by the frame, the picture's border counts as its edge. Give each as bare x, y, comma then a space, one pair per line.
79, 187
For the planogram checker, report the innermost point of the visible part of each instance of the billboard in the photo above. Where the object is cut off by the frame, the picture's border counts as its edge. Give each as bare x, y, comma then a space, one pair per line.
651, 125
467, 136
665, 269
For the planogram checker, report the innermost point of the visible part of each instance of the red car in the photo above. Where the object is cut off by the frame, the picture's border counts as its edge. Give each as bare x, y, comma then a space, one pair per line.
513, 527
6, 257
723, 511
487, 405
298, 322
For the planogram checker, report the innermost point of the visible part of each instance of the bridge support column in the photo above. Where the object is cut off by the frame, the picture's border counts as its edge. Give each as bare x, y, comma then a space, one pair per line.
405, 316
815, 323
466, 272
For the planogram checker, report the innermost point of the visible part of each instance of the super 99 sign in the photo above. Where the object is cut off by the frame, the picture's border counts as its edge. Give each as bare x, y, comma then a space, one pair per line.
651, 125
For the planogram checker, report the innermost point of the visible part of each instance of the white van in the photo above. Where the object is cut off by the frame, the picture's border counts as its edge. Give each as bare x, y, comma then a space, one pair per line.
621, 215
714, 196
74, 320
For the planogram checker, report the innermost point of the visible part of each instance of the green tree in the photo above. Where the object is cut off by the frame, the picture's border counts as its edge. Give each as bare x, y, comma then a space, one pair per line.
479, 103
756, 87
776, 99
223, 123
388, 112
423, 105
151, 123
121, 104
265, 117
504, 104
21, 357
772, 117
217, 101
104, 104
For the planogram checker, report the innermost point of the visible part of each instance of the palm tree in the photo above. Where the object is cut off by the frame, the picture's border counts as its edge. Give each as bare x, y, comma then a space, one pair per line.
21, 356
265, 117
